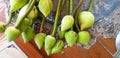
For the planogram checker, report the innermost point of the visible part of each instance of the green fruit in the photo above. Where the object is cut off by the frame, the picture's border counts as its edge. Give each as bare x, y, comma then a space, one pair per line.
83, 37
28, 34
49, 43
33, 14
61, 33
17, 4
25, 24
71, 38
39, 39
45, 6
2, 27
67, 22
86, 19
12, 33
58, 47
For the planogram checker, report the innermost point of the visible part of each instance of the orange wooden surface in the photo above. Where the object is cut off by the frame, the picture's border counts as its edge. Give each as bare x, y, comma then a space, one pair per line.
28, 49
96, 51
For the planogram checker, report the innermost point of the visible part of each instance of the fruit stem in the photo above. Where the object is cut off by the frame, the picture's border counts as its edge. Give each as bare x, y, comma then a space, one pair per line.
71, 2
9, 19
56, 18
30, 6
90, 6
76, 13
67, 7
71, 6
62, 4
42, 23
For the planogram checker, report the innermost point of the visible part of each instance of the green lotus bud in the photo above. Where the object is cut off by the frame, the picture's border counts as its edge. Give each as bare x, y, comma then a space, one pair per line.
12, 33
17, 4
2, 27
58, 47
67, 22
83, 37
71, 38
39, 39
25, 24
86, 19
33, 14
60, 33
28, 34
45, 6
49, 43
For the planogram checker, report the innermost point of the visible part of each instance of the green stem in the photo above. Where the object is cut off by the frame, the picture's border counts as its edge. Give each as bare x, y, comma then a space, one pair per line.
56, 18
9, 19
67, 7
62, 4
71, 6
71, 9
76, 14
90, 6
42, 23
30, 6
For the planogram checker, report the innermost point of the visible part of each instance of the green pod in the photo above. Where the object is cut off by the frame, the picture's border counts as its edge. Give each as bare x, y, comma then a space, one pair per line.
25, 24
2, 27
45, 6
67, 22
71, 38
12, 33
33, 13
49, 43
60, 33
17, 4
28, 34
83, 37
85, 19
39, 39
58, 47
